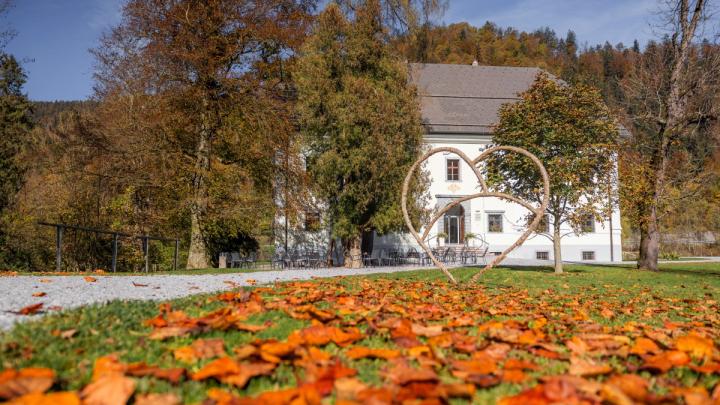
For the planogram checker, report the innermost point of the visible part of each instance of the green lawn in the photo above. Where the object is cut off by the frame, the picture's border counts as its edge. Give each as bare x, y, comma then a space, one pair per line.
573, 303
142, 273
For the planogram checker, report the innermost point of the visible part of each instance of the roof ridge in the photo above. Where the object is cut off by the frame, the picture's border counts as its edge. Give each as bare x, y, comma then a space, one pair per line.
478, 66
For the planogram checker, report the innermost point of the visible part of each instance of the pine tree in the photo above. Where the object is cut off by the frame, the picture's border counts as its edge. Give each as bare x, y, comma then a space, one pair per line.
362, 123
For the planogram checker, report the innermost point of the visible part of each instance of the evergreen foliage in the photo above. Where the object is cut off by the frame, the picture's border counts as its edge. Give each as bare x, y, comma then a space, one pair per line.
361, 121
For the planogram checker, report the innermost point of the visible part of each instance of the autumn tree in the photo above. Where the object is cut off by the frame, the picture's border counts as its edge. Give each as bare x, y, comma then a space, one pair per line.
362, 123
569, 128
207, 78
670, 95
15, 126
409, 22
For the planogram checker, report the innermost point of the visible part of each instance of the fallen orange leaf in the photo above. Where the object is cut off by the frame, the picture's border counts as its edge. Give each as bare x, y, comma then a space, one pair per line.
586, 368
111, 389
15, 383
359, 352
51, 398
217, 368
697, 346
30, 309
402, 374
644, 346
157, 399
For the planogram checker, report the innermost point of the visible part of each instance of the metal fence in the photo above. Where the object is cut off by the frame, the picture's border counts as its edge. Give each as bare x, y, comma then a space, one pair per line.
116, 236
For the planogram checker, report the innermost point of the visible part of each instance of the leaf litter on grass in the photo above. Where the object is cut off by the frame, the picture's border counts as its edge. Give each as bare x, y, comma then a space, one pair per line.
430, 342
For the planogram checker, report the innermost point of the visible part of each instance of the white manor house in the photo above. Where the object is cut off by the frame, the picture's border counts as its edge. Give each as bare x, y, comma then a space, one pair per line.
460, 106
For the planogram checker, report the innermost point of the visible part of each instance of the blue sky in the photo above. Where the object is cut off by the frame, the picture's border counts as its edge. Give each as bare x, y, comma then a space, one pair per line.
54, 35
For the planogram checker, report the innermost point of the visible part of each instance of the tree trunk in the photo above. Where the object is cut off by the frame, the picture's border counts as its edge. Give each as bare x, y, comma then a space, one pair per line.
197, 255
649, 228
649, 243
557, 252
353, 252
676, 109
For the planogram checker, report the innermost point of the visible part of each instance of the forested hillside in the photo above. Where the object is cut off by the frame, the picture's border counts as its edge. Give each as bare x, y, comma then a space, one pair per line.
44, 112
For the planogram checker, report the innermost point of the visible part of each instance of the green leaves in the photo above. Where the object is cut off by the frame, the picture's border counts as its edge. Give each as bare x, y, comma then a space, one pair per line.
360, 120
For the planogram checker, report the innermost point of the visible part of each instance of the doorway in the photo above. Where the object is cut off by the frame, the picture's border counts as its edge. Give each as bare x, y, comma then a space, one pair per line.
454, 221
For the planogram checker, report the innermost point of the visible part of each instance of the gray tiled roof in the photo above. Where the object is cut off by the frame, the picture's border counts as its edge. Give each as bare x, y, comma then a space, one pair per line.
465, 98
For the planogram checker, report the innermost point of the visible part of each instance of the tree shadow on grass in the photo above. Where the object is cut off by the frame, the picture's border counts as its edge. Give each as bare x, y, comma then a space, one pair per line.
689, 272
536, 269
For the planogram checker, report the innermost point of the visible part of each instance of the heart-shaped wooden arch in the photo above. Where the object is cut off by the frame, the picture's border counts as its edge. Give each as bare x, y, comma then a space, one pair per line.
484, 192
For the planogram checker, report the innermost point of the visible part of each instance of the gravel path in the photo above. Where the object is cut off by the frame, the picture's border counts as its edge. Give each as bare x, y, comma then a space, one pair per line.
63, 292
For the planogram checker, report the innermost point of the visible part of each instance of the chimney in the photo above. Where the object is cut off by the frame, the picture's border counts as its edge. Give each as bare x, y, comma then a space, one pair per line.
475, 62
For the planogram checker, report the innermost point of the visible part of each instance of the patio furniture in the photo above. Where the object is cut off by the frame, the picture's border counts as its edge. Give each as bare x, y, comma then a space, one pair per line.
412, 256
278, 260
482, 253
448, 255
313, 259
290, 259
370, 261
249, 260
235, 260
385, 258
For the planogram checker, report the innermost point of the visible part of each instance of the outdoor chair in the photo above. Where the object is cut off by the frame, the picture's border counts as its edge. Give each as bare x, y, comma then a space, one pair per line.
468, 254
249, 260
448, 256
412, 256
385, 258
235, 260
313, 259
291, 259
482, 253
395, 257
425, 259
278, 260
370, 261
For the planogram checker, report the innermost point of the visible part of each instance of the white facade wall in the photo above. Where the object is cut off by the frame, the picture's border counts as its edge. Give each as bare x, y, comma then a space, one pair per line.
477, 210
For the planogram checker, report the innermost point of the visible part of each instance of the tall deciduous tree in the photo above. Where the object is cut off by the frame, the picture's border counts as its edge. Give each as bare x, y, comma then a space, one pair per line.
15, 125
203, 73
569, 128
362, 123
670, 94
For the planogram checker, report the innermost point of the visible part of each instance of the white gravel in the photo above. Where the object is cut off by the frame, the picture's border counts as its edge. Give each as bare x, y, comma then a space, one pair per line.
63, 292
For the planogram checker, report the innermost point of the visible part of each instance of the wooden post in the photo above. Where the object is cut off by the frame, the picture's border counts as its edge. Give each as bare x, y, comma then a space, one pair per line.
146, 251
177, 251
114, 252
58, 247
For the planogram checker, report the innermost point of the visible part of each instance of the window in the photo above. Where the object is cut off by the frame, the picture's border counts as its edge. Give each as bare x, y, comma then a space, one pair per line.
453, 169
495, 222
588, 224
542, 255
589, 255
543, 226
312, 221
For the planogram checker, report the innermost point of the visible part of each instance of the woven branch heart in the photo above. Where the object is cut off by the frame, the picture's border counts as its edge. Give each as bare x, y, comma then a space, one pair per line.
484, 192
